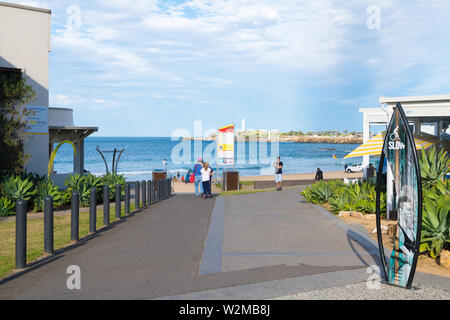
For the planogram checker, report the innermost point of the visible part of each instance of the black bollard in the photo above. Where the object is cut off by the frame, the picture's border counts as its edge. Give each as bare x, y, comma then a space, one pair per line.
93, 211
166, 189
106, 205
144, 194
127, 198
149, 192
21, 234
153, 191
48, 225
118, 202
74, 217
136, 195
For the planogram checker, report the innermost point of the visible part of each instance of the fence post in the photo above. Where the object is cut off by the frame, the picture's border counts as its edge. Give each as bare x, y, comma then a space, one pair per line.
144, 194
106, 205
21, 234
165, 188
153, 191
74, 217
118, 202
93, 210
127, 198
48, 224
149, 192
136, 195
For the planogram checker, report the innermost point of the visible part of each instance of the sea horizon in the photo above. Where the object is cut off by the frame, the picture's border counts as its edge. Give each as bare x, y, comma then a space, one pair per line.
143, 155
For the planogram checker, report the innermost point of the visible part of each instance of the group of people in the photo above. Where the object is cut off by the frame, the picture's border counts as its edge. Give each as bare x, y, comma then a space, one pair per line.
202, 175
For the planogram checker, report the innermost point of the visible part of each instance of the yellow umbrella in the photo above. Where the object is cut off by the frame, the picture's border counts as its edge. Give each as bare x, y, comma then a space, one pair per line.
373, 146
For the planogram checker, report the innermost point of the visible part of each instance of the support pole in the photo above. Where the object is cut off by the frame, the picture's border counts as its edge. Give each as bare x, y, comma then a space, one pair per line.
21, 234
127, 198
93, 210
118, 202
106, 205
74, 217
48, 225
136, 195
144, 194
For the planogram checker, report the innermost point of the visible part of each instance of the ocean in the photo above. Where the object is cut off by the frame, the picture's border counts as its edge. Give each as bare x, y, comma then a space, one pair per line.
144, 155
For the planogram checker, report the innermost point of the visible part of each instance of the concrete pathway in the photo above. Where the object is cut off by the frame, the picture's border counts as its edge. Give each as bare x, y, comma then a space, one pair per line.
253, 246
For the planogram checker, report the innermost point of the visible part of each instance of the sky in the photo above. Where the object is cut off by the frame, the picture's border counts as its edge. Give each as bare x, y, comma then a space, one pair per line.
150, 67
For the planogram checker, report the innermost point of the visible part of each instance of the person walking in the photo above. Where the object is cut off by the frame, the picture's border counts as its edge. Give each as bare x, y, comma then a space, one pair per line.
371, 174
198, 177
319, 175
206, 176
278, 173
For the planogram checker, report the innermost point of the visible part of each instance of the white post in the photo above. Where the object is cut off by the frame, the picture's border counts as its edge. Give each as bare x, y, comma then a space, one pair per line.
366, 137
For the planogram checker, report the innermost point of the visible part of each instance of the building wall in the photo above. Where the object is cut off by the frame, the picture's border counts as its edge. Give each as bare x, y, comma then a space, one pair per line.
25, 44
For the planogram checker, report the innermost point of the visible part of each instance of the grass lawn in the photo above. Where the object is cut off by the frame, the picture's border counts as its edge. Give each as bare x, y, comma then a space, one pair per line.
35, 236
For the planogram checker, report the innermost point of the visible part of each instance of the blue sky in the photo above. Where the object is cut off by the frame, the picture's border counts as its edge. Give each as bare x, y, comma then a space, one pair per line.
148, 67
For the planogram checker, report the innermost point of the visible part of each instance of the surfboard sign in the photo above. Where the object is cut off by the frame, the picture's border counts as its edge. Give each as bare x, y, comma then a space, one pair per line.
399, 159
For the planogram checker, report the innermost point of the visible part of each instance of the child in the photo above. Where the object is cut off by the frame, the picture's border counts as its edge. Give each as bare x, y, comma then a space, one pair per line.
206, 174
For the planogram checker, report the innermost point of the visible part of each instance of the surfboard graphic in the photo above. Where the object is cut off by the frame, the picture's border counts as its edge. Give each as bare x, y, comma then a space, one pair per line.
399, 157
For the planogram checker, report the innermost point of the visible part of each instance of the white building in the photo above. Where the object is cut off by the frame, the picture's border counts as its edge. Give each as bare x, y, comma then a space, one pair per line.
428, 114
25, 43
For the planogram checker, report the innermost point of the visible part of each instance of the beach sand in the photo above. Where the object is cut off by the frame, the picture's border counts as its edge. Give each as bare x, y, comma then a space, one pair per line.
181, 187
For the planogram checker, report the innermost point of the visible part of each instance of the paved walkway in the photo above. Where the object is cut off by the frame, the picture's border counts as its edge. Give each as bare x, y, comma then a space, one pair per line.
253, 246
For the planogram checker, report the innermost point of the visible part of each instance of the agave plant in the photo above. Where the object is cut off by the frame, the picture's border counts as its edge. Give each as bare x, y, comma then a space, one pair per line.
47, 188
320, 192
74, 182
16, 188
435, 225
6, 207
83, 185
433, 166
111, 180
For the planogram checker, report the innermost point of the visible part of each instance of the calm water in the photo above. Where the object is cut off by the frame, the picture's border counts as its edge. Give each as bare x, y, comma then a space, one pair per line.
143, 155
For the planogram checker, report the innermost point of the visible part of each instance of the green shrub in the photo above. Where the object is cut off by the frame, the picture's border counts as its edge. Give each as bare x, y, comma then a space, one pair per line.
111, 180
433, 166
16, 188
47, 188
83, 185
7, 207
435, 225
359, 196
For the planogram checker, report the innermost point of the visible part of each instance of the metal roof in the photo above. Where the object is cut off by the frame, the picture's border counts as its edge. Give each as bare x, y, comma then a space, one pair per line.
19, 6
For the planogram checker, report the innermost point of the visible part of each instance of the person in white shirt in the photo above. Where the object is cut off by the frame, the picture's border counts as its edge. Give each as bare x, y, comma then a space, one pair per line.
206, 174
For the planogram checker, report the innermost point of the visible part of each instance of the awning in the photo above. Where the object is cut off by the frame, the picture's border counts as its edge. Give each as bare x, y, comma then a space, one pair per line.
373, 146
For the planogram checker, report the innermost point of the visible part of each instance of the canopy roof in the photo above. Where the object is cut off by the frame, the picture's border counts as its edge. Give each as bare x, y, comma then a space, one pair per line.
374, 146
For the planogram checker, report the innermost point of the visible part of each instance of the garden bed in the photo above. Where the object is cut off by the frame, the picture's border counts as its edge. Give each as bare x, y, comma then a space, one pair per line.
425, 262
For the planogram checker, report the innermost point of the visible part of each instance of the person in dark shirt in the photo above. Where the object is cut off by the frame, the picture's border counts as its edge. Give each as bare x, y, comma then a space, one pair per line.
319, 175
371, 173
278, 173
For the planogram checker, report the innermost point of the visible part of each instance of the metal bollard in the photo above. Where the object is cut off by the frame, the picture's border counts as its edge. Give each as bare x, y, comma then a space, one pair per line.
158, 190
149, 192
144, 194
106, 205
118, 202
93, 211
136, 195
75, 217
153, 191
21, 234
165, 188
48, 225
127, 198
